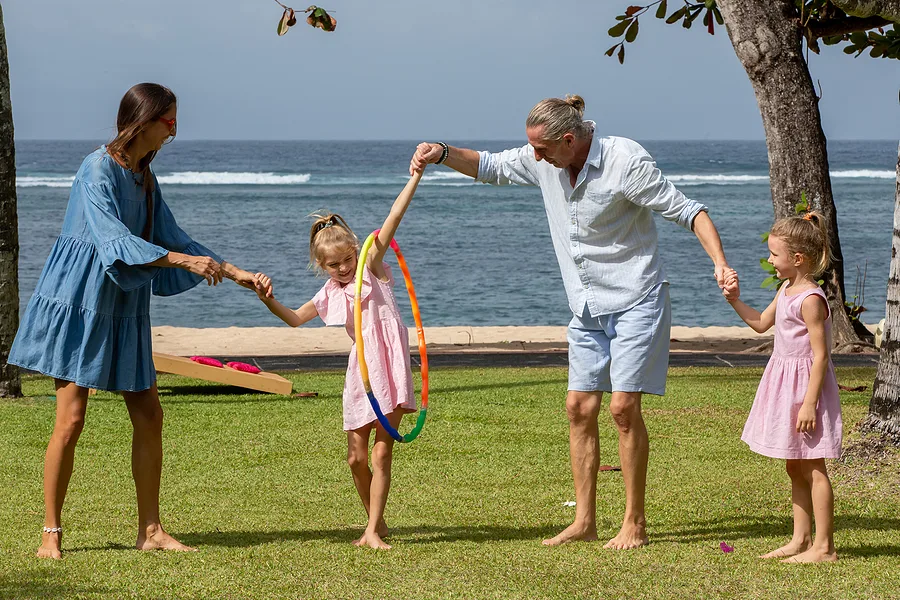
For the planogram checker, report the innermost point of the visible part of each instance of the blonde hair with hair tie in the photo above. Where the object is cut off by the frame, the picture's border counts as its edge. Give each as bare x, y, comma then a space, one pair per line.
558, 117
328, 231
806, 235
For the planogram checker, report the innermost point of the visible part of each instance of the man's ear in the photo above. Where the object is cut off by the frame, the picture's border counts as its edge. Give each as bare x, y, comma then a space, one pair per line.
569, 138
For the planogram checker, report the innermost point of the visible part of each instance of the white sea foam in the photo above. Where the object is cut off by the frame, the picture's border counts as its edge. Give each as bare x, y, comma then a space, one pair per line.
44, 181
443, 178
224, 178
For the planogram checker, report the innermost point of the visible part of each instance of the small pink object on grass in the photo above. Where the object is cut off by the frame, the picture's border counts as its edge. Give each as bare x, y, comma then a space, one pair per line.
240, 366
205, 360
725, 547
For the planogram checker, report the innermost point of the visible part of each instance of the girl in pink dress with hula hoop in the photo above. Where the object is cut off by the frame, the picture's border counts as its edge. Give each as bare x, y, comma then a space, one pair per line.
334, 250
796, 414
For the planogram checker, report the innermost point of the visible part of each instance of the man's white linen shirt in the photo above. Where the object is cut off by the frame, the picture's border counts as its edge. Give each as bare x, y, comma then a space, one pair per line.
602, 229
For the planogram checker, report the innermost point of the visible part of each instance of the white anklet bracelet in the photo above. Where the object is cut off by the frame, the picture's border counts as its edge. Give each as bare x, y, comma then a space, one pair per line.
52, 529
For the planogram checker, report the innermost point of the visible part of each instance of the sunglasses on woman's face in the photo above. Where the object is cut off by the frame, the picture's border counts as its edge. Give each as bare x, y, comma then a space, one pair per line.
170, 123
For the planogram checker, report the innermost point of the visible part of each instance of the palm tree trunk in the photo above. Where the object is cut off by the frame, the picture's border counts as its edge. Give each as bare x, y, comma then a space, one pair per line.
884, 408
10, 384
767, 39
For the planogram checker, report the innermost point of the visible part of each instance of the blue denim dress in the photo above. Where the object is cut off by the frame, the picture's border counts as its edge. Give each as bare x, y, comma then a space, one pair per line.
89, 318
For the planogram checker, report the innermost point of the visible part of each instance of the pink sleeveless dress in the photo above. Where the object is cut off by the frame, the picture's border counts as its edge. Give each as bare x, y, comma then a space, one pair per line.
386, 342
771, 427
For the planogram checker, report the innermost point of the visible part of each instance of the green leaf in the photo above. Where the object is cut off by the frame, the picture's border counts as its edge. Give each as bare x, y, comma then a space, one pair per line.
319, 13
877, 51
619, 28
282, 23
611, 50
661, 10
764, 263
764, 236
802, 206
710, 4
632, 32
859, 38
632, 9
849, 49
719, 18
622, 55
769, 282
676, 15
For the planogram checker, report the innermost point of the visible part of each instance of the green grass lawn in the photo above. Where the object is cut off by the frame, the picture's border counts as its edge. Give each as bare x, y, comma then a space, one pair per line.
260, 485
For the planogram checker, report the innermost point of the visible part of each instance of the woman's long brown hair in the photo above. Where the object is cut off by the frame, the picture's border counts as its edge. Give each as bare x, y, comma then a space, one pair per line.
142, 104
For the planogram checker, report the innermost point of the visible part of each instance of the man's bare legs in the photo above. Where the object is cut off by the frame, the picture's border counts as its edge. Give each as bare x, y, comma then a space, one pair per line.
71, 405
582, 408
634, 451
146, 468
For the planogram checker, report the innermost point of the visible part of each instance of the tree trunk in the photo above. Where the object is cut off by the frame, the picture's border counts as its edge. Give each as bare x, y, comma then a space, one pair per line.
10, 385
884, 408
767, 40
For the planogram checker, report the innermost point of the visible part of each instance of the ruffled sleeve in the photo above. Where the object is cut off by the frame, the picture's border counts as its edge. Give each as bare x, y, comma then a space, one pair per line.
331, 303
124, 256
334, 302
169, 235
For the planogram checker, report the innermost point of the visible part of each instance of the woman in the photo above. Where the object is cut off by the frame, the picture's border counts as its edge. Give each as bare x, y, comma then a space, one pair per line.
88, 323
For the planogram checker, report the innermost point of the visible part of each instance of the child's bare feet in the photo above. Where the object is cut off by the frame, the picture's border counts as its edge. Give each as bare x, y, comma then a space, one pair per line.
51, 544
576, 532
631, 536
155, 538
373, 540
813, 555
792, 548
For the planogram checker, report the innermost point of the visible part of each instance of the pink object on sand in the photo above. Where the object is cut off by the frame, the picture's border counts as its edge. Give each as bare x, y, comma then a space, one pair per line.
240, 366
205, 360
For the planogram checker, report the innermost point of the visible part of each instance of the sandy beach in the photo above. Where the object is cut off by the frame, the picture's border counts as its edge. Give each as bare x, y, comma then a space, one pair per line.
282, 341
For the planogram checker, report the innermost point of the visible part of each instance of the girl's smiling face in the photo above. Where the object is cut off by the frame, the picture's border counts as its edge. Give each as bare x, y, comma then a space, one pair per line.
339, 262
782, 259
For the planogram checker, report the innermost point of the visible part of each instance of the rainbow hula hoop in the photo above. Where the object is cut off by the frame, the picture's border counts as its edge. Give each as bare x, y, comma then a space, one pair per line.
360, 348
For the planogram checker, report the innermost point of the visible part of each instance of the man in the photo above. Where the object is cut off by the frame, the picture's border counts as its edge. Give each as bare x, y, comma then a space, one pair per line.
599, 195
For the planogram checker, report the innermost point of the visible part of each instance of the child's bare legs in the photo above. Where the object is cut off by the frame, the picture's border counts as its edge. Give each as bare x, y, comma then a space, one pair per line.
379, 483
801, 497
71, 405
822, 549
146, 468
358, 459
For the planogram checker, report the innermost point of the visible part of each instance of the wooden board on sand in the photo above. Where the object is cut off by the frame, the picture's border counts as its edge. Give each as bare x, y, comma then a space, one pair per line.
264, 382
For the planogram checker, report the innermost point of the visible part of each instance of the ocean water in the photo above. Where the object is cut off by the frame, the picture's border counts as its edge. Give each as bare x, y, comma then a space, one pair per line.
479, 255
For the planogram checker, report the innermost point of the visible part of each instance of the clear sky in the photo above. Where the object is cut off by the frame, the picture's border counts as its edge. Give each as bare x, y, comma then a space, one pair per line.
402, 69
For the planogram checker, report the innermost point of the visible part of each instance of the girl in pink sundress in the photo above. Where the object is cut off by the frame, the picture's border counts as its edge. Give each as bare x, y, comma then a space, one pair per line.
334, 250
796, 414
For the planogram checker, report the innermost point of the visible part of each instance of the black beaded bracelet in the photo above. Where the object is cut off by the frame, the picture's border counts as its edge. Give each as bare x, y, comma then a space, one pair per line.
444, 154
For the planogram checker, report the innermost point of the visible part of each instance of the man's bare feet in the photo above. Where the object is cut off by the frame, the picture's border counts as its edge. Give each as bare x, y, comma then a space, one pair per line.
51, 544
631, 536
155, 538
373, 540
813, 555
792, 548
573, 533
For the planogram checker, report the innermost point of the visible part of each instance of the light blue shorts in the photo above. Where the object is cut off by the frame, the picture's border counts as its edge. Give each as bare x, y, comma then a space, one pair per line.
622, 352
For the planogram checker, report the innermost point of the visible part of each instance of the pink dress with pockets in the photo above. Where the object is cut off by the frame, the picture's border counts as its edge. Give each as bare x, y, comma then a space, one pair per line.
386, 345
771, 428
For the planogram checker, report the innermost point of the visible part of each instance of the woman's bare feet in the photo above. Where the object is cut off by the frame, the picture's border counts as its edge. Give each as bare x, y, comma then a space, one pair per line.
631, 536
792, 548
51, 544
575, 532
813, 555
155, 538
373, 540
